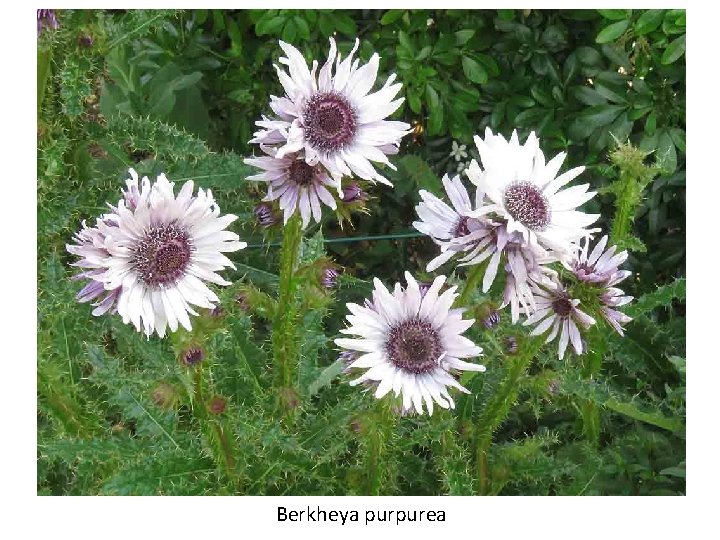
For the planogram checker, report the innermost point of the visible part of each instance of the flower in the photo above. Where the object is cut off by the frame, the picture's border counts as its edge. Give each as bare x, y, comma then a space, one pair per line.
332, 118
556, 309
151, 256
459, 152
46, 18
298, 185
450, 227
479, 239
601, 268
525, 194
410, 343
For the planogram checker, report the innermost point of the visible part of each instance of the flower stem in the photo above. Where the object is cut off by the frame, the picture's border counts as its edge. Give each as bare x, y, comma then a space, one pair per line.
284, 339
498, 407
471, 283
377, 431
213, 428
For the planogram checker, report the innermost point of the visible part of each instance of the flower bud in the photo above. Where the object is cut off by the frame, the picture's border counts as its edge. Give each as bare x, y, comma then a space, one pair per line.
193, 356
329, 278
353, 192
265, 216
511, 345
217, 404
165, 396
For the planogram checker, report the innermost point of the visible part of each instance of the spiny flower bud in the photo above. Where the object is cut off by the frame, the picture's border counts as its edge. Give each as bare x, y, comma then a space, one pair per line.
511, 345
193, 356
353, 192
329, 278
265, 216
217, 405
289, 399
165, 396
488, 315
242, 301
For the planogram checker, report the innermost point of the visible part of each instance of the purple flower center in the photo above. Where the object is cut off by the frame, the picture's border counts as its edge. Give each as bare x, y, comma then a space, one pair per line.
462, 229
526, 203
562, 305
162, 256
330, 122
301, 173
414, 346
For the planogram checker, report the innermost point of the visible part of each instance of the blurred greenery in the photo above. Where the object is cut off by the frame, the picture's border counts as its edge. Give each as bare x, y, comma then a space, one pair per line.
179, 92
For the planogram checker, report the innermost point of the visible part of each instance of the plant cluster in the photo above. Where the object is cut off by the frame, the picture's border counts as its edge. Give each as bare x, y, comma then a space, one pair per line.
223, 342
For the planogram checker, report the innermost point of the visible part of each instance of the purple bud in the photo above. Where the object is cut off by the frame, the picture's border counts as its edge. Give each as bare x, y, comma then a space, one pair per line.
165, 395
46, 19
511, 345
424, 287
353, 192
265, 216
217, 405
491, 320
192, 356
553, 387
243, 302
217, 312
329, 278
86, 41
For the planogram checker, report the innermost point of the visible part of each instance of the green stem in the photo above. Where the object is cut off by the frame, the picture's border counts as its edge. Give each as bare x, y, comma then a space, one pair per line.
471, 283
212, 426
498, 407
284, 340
378, 430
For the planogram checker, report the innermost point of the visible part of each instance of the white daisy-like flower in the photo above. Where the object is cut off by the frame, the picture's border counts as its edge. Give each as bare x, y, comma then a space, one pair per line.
459, 151
331, 118
410, 343
557, 310
525, 193
152, 254
299, 186
601, 268
477, 239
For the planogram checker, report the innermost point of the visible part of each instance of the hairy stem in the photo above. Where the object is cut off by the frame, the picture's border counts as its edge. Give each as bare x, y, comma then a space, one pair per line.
498, 407
213, 428
471, 283
284, 338
378, 430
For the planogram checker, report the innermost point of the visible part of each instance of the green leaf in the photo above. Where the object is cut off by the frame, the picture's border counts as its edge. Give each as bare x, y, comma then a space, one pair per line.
649, 21
302, 27
660, 297
270, 25
432, 97
474, 70
463, 36
615, 14
326, 377
589, 96
588, 56
612, 32
391, 16
674, 51
666, 154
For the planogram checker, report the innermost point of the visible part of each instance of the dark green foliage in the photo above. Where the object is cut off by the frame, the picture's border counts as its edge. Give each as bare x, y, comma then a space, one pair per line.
178, 92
